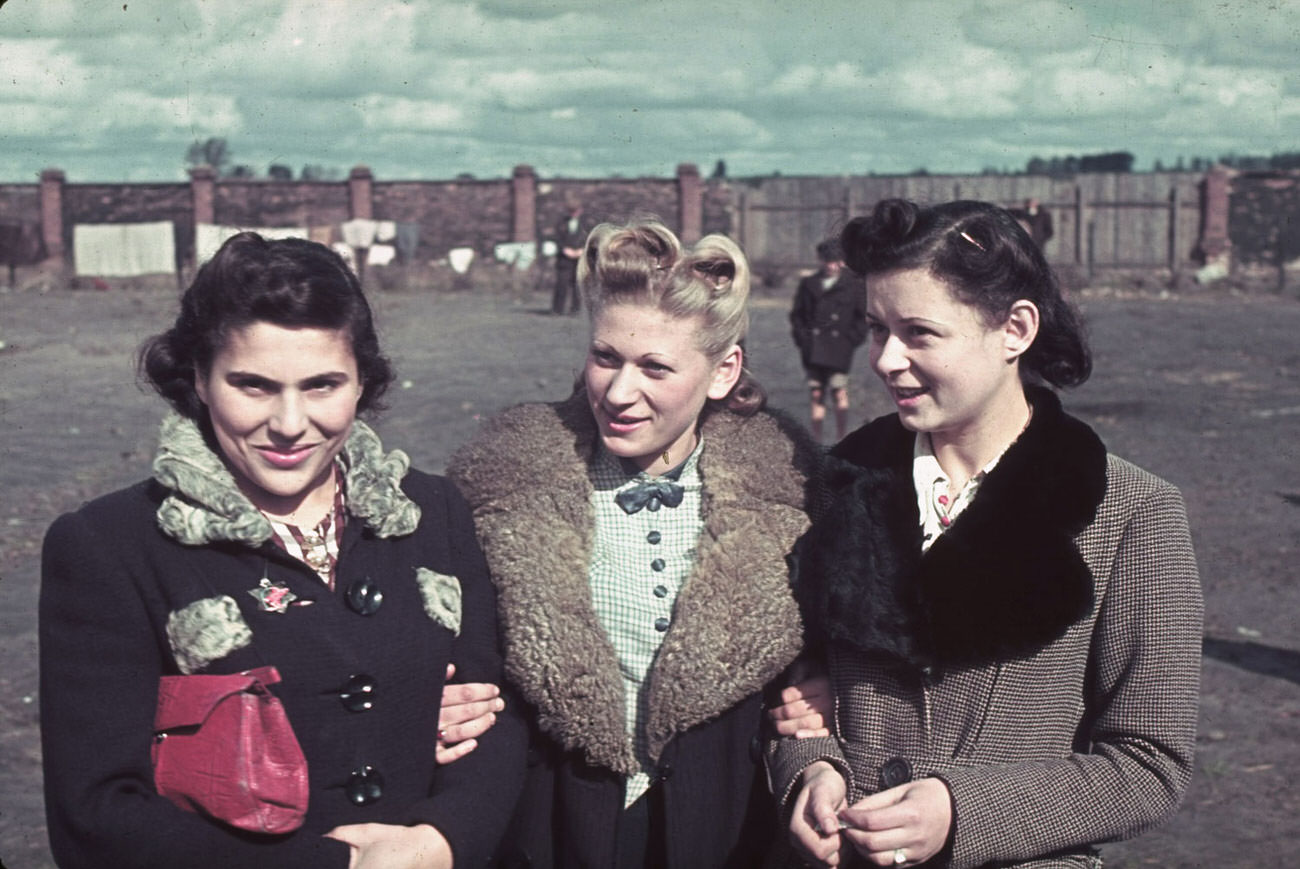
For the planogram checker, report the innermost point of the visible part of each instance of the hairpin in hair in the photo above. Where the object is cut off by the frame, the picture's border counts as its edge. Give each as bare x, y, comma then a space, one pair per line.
966, 235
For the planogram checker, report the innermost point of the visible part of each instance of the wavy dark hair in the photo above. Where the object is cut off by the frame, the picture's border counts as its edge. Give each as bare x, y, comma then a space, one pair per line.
292, 283
987, 259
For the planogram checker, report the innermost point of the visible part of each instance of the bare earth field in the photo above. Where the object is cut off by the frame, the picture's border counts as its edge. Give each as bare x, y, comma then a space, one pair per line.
1204, 391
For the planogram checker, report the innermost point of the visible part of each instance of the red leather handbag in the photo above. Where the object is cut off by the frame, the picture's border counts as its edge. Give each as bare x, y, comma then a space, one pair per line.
224, 747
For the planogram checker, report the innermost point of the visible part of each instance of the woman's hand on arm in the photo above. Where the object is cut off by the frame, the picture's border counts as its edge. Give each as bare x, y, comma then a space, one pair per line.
391, 846
805, 708
914, 818
814, 823
468, 711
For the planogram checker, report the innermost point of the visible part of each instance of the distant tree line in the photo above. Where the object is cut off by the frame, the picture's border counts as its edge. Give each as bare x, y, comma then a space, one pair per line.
215, 152
1122, 161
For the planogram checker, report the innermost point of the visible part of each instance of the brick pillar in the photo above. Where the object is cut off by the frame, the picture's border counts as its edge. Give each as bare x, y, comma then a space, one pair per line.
523, 197
1214, 243
690, 202
203, 192
52, 181
361, 185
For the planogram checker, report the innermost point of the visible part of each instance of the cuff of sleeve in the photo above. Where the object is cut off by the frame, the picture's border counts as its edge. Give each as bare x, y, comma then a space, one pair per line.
787, 758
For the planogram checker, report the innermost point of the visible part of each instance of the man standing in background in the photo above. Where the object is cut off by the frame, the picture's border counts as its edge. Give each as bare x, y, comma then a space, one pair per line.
1036, 220
570, 235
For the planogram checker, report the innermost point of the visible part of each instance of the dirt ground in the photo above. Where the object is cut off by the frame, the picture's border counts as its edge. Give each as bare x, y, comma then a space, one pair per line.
1202, 390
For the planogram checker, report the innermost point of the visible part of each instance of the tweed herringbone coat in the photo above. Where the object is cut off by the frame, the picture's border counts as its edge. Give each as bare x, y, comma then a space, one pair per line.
1042, 657
735, 627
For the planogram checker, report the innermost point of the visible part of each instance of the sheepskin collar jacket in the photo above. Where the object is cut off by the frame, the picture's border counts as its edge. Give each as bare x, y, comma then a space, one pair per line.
1004, 580
736, 625
205, 505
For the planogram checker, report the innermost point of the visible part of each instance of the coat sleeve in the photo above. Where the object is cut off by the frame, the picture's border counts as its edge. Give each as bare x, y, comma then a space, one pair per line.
472, 799
1140, 727
101, 657
801, 316
786, 758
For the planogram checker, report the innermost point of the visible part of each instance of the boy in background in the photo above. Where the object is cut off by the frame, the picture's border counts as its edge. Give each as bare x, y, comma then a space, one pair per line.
828, 322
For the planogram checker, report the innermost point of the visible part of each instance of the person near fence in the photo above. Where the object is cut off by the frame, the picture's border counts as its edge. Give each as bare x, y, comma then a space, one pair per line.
1036, 220
1010, 615
637, 533
570, 233
829, 322
275, 531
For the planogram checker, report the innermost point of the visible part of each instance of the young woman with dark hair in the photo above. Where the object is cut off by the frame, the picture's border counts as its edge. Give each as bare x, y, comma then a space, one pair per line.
1011, 617
275, 531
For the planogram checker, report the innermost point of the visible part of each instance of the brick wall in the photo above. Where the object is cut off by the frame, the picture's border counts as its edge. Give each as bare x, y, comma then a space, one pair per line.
1160, 222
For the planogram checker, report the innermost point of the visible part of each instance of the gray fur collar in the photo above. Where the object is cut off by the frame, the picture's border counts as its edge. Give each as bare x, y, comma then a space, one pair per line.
205, 505
736, 625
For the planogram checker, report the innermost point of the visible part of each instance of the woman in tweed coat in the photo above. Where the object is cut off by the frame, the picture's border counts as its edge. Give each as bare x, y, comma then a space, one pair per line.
641, 634
1011, 616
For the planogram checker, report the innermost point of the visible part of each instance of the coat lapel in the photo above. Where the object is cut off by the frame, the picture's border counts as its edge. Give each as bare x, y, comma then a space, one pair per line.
735, 625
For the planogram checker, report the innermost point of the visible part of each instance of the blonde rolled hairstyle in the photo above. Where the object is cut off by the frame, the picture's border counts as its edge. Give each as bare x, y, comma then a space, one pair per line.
644, 263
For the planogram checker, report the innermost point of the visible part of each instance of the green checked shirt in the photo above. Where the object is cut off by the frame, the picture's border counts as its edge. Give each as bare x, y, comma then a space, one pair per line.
639, 564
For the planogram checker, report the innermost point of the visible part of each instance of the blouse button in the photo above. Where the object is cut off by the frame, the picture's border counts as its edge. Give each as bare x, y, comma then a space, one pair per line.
661, 591
661, 624
653, 537
657, 565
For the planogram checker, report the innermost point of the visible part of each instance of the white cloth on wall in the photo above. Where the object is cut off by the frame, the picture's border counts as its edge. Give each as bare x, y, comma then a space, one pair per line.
119, 250
210, 236
460, 259
359, 231
519, 254
380, 254
385, 230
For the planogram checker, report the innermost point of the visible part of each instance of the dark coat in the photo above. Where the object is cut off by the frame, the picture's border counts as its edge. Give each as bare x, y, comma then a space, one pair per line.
828, 325
1042, 657
148, 582
735, 627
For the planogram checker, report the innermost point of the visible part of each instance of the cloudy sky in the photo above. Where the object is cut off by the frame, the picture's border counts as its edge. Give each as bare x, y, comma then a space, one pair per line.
118, 89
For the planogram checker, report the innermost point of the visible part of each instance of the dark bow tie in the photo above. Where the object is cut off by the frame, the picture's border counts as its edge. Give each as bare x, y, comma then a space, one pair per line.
650, 494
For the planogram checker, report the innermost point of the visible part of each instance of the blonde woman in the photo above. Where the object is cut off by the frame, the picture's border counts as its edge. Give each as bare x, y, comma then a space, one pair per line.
637, 534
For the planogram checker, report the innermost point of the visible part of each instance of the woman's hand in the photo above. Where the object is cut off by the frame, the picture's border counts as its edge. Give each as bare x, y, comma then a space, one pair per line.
815, 824
468, 711
391, 846
805, 708
913, 818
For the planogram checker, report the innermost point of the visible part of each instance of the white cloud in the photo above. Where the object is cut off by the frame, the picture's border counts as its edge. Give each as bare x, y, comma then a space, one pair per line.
435, 87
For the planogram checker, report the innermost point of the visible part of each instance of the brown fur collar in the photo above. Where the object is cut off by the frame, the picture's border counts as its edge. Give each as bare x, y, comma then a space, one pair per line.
1004, 580
736, 625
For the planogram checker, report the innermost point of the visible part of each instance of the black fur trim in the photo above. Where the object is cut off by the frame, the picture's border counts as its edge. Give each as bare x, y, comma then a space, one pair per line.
1003, 581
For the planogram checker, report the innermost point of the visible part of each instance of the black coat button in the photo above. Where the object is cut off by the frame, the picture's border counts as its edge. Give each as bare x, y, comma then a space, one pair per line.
895, 772
657, 565
364, 597
358, 693
365, 786
653, 537
661, 624
665, 772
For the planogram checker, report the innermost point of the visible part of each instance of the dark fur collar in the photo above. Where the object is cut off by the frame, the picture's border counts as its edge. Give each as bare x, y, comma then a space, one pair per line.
1003, 581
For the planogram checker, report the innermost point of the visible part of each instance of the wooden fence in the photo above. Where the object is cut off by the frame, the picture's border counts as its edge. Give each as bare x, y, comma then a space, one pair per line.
1102, 221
